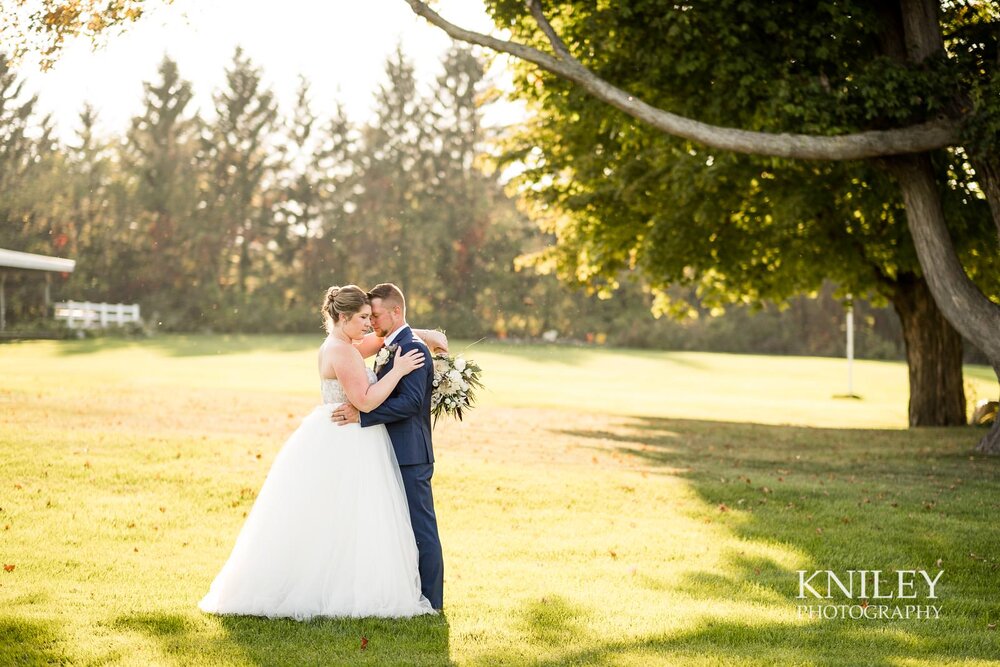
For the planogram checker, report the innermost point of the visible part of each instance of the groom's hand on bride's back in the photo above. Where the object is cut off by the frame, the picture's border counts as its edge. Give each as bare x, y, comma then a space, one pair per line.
345, 414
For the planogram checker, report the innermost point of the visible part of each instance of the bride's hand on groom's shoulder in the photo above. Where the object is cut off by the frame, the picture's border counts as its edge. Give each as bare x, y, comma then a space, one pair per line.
409, 362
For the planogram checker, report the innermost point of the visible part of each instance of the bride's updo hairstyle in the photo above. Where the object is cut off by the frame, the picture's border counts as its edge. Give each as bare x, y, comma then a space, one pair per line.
346, 300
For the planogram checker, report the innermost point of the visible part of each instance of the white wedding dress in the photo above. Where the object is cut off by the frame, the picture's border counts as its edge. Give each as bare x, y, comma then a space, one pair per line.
329, 533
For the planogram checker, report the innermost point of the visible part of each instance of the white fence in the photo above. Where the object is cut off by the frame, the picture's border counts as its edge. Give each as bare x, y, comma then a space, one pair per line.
86, 315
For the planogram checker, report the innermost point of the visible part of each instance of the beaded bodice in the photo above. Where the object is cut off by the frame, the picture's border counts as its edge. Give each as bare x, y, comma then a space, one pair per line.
333, 391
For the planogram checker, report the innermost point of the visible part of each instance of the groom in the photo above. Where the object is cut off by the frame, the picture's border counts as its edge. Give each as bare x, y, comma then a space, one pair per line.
407, 416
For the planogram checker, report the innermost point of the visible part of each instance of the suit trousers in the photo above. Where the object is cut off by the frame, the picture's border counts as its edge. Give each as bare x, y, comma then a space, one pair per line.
417, 483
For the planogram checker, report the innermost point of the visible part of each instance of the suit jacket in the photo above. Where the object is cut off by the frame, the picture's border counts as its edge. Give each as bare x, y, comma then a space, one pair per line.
407, 412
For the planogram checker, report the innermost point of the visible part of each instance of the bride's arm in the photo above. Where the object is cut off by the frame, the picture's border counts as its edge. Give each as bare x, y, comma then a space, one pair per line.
349, 368
369, 345
436, 341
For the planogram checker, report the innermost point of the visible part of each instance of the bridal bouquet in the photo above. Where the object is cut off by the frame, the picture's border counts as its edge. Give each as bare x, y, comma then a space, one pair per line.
455, 381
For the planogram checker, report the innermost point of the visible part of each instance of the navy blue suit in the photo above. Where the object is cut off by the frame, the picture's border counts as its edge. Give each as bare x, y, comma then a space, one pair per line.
406, 414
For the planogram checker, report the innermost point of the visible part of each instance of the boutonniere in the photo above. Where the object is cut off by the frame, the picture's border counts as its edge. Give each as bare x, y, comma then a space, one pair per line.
384, 355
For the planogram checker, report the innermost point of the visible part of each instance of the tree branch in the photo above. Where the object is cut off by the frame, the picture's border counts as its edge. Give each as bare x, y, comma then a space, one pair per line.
860, 145
988, 176
962, 302
558, 45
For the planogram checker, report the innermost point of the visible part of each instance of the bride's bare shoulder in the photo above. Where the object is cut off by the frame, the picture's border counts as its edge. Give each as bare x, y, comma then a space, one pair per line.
337, 349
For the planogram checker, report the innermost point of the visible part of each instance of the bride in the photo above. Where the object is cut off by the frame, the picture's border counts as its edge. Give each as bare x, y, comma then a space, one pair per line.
329, 533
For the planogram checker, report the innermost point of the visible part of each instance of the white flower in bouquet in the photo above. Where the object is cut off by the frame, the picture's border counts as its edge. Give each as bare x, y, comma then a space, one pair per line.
455, 381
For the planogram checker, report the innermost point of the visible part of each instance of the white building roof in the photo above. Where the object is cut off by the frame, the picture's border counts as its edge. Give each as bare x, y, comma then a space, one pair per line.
25, 260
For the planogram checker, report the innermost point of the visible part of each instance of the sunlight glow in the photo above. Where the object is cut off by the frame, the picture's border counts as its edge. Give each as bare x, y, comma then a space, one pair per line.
339, 46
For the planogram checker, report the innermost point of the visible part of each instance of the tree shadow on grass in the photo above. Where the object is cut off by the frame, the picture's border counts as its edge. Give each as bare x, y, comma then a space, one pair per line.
261, 641
24, 642
722, 642
710, 446
554, 632
843, 499
551, 622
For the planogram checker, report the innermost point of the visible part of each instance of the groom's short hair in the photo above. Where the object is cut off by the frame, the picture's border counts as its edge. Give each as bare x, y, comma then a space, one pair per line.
388, 293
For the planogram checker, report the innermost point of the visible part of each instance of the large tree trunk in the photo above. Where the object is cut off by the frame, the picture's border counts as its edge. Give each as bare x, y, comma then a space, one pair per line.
933, 356
967, 308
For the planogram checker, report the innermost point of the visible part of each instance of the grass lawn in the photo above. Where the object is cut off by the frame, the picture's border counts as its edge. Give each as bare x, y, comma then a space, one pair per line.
600, 507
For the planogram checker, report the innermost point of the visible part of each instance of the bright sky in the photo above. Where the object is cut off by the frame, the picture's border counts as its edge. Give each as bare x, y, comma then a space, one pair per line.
339, 45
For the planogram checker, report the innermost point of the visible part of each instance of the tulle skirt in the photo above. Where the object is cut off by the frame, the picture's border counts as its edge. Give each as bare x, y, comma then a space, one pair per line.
329, 533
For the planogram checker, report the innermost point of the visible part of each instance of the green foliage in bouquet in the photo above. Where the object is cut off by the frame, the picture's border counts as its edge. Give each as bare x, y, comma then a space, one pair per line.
456, 380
